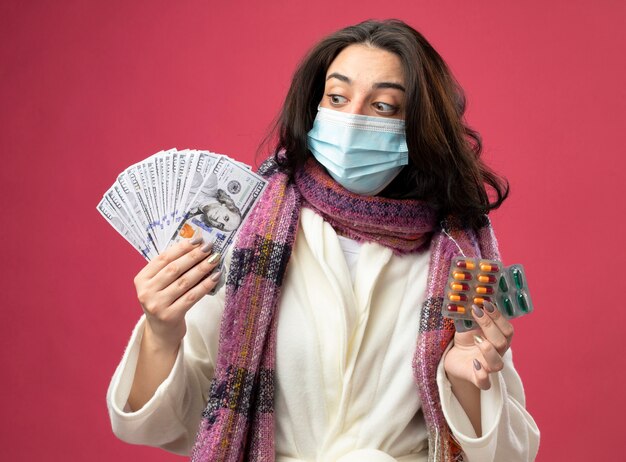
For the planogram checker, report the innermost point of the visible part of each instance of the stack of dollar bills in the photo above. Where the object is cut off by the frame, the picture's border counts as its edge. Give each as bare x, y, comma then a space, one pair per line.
181, 194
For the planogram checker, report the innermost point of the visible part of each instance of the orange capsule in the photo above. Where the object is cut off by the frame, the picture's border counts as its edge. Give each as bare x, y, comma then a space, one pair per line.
456, 308
487, 278
484, 290
459, 286
467, 264
484, 266
461, 275
457, 297
481, 300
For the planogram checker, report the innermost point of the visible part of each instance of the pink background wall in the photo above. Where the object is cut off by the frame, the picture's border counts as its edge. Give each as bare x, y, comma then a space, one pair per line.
87, 88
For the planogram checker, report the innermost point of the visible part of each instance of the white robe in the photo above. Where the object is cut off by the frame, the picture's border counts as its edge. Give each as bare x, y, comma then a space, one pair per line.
344, 385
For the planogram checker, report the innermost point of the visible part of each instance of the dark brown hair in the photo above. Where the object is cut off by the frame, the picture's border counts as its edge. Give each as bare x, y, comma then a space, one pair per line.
445, 168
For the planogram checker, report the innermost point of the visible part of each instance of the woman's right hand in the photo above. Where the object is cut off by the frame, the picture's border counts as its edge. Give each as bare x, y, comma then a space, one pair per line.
168, 287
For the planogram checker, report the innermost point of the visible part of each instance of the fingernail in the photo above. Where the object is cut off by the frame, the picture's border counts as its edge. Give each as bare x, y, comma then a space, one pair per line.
477, 311
214, 258
196, 240
206, 247
216, 276
478, 339
490, 307
477, 365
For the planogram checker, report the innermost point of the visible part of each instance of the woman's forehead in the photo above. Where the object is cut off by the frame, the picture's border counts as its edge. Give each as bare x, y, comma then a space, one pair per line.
364, 64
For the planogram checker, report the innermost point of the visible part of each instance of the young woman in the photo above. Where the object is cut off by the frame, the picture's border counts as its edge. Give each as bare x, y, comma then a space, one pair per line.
326, 342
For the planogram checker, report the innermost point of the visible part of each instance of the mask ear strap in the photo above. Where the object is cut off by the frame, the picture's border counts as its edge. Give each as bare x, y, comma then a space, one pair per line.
444, 224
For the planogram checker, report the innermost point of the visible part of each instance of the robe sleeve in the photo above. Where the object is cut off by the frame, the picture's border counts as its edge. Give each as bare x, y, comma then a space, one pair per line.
509, 431
171, 417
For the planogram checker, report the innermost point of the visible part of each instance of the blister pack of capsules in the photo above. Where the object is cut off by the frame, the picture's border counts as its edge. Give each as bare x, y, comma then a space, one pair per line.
474, 281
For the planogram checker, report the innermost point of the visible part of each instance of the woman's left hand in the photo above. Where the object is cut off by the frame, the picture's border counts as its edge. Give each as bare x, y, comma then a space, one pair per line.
476, 354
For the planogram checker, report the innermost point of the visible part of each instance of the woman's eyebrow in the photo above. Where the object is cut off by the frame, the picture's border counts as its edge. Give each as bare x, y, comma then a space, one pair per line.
338, 76
378, 85
397, 86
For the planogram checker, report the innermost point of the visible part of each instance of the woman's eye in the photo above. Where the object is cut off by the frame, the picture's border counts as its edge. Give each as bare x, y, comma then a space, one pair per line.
385, 108
337, 99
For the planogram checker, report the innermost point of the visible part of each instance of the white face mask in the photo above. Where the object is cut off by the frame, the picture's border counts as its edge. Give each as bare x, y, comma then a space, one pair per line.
362, 153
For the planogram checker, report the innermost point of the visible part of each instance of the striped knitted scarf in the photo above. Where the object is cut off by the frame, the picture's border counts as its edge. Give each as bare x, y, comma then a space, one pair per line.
238, 422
